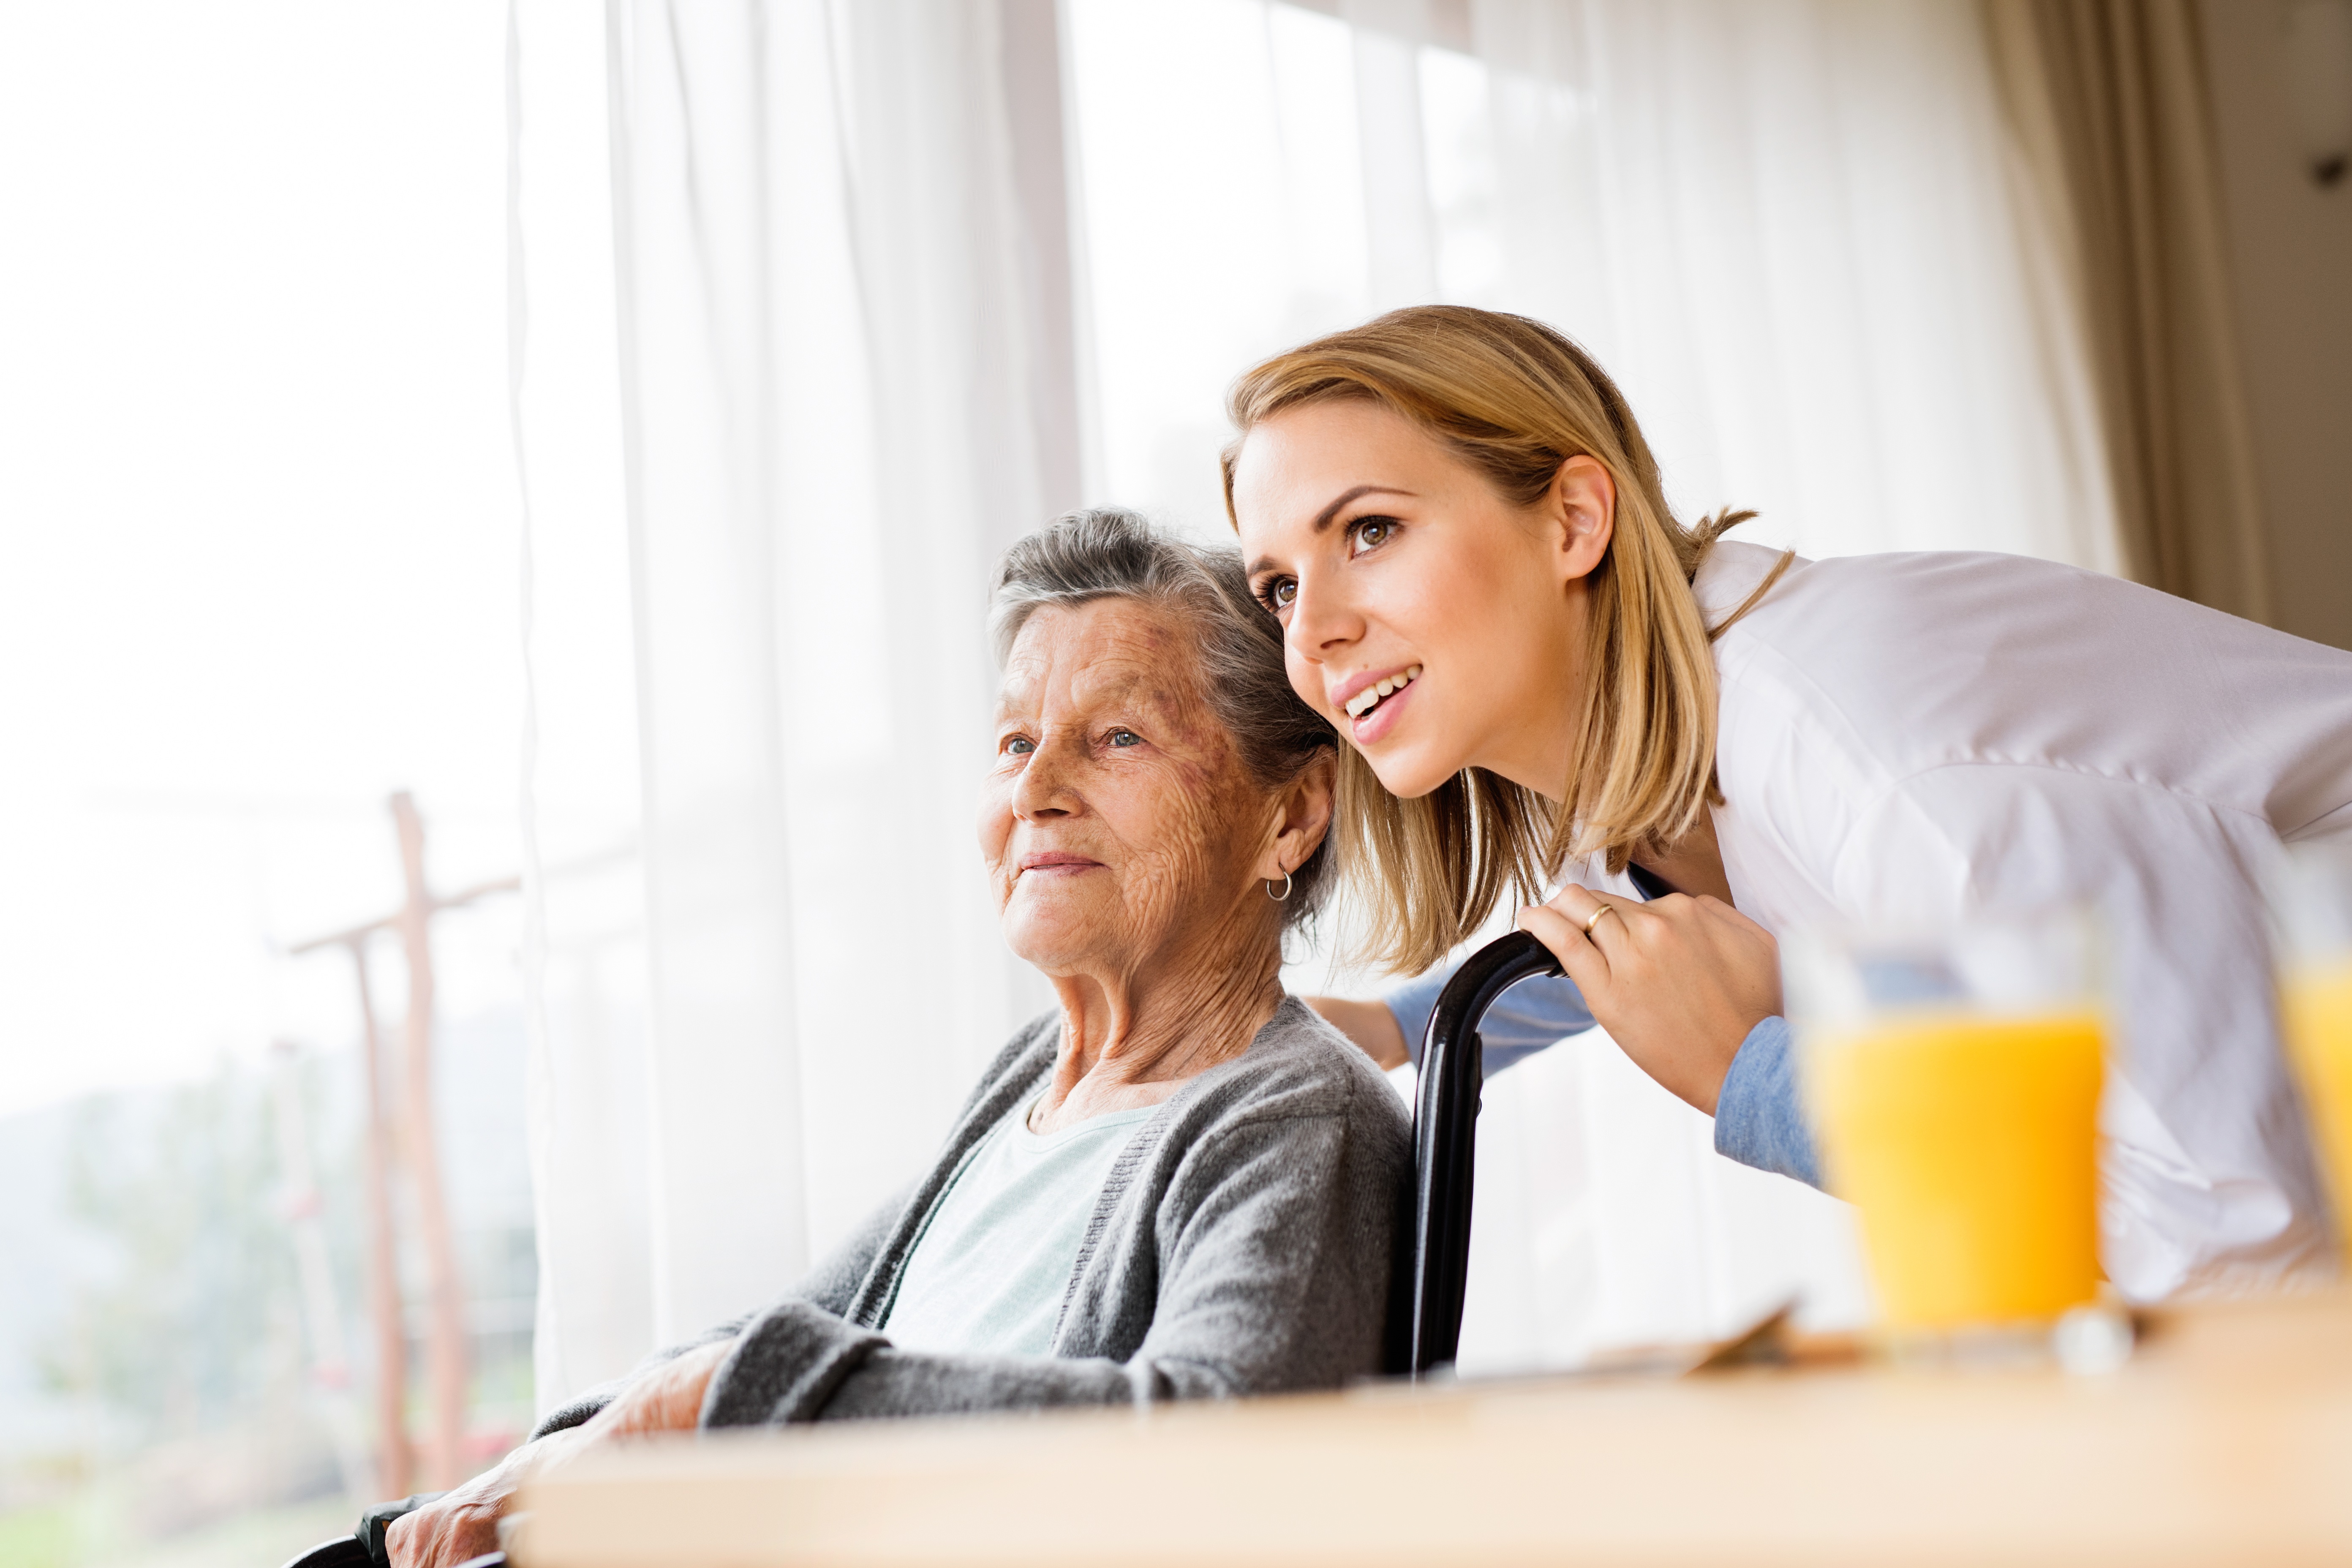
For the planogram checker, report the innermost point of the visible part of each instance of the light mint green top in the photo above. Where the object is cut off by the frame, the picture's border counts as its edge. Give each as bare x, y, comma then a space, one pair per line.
992, 1266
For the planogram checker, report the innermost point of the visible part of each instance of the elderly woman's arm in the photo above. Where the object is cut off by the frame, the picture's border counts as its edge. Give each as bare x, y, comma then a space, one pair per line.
829, 1286
462, 1524
663, 1393
1274, 1254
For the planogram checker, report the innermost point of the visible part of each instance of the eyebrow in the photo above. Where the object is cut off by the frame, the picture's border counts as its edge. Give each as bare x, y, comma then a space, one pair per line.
1323, 518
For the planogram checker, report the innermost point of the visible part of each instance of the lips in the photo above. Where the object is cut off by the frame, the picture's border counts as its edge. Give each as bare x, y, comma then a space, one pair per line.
1358, 696
1056, 862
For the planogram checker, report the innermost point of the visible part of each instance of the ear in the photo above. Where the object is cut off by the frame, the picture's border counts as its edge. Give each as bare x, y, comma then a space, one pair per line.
1304, 816
1582, 508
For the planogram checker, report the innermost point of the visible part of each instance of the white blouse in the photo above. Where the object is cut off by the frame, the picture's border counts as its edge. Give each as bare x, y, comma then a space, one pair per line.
1917, 737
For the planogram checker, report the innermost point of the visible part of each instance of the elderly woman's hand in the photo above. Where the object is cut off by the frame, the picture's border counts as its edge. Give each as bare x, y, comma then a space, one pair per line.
1678, 982
463, 1524
664, 1398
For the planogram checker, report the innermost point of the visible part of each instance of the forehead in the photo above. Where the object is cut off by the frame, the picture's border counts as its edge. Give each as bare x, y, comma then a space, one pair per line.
1301, 472
1108, 650
1290, 458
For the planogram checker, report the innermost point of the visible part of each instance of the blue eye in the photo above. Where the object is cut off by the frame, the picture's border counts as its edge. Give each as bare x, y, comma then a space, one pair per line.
1125, 738
1021, 745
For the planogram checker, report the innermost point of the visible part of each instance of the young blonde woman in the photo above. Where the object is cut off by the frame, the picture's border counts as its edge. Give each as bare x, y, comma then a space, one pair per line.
1538, 672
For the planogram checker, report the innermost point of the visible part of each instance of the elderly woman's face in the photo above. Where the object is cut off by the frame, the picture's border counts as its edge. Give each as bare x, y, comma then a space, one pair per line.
1117, 818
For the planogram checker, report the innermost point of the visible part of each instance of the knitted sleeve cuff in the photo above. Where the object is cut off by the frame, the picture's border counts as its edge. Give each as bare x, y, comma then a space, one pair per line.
784, 1367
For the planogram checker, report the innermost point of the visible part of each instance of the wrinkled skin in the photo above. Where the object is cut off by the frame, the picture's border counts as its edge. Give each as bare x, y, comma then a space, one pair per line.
464, 1524
1156, 930
1380, 551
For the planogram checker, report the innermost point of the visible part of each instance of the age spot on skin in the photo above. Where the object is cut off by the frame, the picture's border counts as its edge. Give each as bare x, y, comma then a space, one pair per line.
1177, 820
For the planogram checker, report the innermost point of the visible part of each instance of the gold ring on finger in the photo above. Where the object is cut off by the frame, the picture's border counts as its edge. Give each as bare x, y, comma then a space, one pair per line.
1594, 919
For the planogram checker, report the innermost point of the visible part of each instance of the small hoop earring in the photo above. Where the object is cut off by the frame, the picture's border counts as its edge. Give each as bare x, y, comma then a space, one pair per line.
1282, 896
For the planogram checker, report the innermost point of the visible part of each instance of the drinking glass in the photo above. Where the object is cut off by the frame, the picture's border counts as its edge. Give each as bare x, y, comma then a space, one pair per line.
1953, 1079
2311, 909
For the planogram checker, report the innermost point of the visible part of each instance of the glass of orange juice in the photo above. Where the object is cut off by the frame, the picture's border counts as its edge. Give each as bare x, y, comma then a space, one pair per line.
1953, 1080
2311, 906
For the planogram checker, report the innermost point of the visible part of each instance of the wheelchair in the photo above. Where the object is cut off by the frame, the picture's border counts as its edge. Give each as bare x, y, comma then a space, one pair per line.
1445, 1143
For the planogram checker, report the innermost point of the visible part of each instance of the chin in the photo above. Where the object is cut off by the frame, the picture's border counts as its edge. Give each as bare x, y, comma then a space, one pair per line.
1053, 940
1055, 961
1411, 772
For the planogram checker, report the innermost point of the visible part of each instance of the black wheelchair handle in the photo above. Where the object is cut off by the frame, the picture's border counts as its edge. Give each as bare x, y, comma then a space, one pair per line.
1445, 1137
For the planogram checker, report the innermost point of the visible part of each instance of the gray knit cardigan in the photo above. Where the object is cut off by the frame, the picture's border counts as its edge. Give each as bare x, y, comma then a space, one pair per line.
1247, 1242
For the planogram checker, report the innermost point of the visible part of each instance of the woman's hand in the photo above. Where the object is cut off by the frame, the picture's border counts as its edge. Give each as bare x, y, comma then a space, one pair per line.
664, 1398
1678, 982
461, 1525
464, 1524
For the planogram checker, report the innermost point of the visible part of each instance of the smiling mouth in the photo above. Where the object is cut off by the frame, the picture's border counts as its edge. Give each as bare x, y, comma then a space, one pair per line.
1380, 691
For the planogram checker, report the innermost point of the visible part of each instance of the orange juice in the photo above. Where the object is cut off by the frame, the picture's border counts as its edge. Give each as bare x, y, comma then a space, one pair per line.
1970, 1144
2319, 1040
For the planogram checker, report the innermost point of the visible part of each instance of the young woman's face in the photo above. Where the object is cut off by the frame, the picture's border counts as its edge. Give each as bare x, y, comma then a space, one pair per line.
1392, 562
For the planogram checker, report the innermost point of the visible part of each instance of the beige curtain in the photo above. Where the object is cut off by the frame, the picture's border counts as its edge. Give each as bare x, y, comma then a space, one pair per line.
2106, 101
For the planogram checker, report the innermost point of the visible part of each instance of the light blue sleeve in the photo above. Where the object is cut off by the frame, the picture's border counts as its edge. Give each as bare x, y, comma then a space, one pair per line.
1759, 1120
1524, 1020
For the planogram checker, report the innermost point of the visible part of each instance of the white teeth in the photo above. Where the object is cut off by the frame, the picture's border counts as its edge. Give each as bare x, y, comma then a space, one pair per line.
1364, 701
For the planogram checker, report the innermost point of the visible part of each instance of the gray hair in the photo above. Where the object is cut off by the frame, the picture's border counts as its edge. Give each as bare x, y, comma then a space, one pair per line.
1107, 552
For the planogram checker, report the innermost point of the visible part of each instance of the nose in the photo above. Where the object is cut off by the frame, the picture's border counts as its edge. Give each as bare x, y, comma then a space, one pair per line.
1321, 620
1047, 787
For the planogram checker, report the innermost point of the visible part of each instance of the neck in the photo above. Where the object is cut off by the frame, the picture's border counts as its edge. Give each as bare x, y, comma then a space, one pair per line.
1540, 752
1537, 749
1160, 1022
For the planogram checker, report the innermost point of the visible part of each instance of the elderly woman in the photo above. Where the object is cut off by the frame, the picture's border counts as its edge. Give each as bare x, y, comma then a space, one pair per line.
1178, 1183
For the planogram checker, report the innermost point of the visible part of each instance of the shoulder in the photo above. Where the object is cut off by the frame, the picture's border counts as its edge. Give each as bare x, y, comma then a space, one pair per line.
1298, 1068
1977, 614
1913, 598
1903, 663
1302, 1117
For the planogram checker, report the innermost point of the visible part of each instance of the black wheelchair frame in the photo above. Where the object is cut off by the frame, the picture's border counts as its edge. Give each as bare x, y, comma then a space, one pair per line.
1445, 1145
1445, 1140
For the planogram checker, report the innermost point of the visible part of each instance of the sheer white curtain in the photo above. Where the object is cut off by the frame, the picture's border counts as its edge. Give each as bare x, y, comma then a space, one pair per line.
787, 348
1795, 232
795, 358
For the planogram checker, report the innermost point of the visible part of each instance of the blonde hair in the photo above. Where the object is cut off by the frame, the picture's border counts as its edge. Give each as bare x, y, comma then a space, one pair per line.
1515, 400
